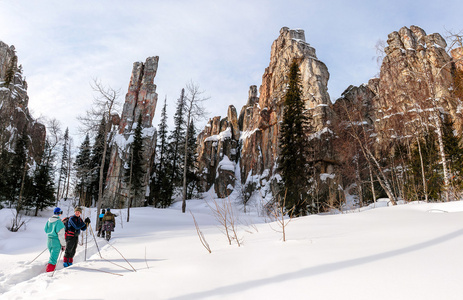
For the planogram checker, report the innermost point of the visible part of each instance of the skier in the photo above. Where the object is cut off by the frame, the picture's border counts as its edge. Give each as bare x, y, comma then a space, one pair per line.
109, 223
100, 224
55, 243
75, 225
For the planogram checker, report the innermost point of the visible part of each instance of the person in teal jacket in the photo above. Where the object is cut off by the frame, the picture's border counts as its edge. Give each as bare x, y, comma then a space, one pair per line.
56, 242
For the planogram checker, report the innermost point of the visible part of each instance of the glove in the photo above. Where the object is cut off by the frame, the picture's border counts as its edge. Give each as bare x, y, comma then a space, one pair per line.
87, 220
63, 248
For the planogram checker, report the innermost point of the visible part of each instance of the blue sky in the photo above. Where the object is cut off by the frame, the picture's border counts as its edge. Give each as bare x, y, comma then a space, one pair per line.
224, 46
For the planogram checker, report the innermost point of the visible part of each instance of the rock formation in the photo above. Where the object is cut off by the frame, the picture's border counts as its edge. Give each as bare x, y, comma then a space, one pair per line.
414, 89
417, 75
14, 111
252, 140
140, 99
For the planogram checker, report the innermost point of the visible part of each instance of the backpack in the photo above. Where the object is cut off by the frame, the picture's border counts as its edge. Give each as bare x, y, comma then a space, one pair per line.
65, 222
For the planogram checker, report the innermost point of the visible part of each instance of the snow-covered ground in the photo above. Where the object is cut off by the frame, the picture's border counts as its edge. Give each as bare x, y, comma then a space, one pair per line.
411, 251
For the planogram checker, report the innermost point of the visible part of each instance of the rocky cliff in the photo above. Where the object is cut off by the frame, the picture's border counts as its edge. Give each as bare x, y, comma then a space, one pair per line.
14, 112
415, 88
141, 99
417, 75
250, 140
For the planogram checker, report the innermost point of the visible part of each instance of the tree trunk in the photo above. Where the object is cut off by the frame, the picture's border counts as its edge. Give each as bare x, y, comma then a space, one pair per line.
442, 155
130, 188
69, 171
185, 166
21, 190
100, 185
372, 183
423, 176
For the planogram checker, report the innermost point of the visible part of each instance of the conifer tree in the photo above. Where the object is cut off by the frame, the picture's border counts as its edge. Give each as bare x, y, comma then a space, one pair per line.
135, 174
191, 162
63, 169
453, 151
18, 173
177, 140
11, 71
4, 176
83, 172
97, 158
43, 186
293, 160
162, 183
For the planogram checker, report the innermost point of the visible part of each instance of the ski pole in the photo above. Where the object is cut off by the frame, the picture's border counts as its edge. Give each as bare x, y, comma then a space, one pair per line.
122, 257
38, 255
96, 243
94, 238
86, 239
59, 257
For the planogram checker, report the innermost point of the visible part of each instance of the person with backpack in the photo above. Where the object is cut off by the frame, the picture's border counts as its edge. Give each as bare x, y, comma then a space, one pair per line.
55, 242
100, 224
109, 223
73, 228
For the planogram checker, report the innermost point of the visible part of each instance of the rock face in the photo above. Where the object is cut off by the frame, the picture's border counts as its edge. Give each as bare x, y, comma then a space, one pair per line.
141, 98
14, 111
261, 128
416, 74
218, 153
252, 139
415, 85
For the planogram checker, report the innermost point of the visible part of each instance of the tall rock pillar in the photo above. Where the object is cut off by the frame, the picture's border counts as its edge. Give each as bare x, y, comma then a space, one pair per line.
141, 99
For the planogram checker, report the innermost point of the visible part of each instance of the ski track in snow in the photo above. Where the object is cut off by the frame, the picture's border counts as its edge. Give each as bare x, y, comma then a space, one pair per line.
26, 274
355, 251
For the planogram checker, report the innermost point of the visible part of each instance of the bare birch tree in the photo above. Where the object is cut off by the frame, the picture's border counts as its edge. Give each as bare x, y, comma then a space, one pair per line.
194, 111
104, 104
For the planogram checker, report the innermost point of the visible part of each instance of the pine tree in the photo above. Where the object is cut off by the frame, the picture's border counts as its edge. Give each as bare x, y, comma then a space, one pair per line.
453, 151
11, 71
96, 159
162, 183
458, 83
63, 170
43, 186
293, 159
4, 175
192, 171
136, 171
177, 140
18, 173
83, 172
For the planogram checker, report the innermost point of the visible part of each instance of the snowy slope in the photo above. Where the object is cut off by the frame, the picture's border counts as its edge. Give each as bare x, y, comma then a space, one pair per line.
411, 251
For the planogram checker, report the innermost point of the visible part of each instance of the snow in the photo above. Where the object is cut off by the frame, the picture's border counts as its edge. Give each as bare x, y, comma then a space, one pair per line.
246, 134
226, 134
148, 132
319, 133
410, 251
226, 164
325, 176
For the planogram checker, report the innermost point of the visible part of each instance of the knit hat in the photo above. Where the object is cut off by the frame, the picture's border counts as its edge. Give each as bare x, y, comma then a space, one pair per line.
78, 209
57, 211
108, 209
